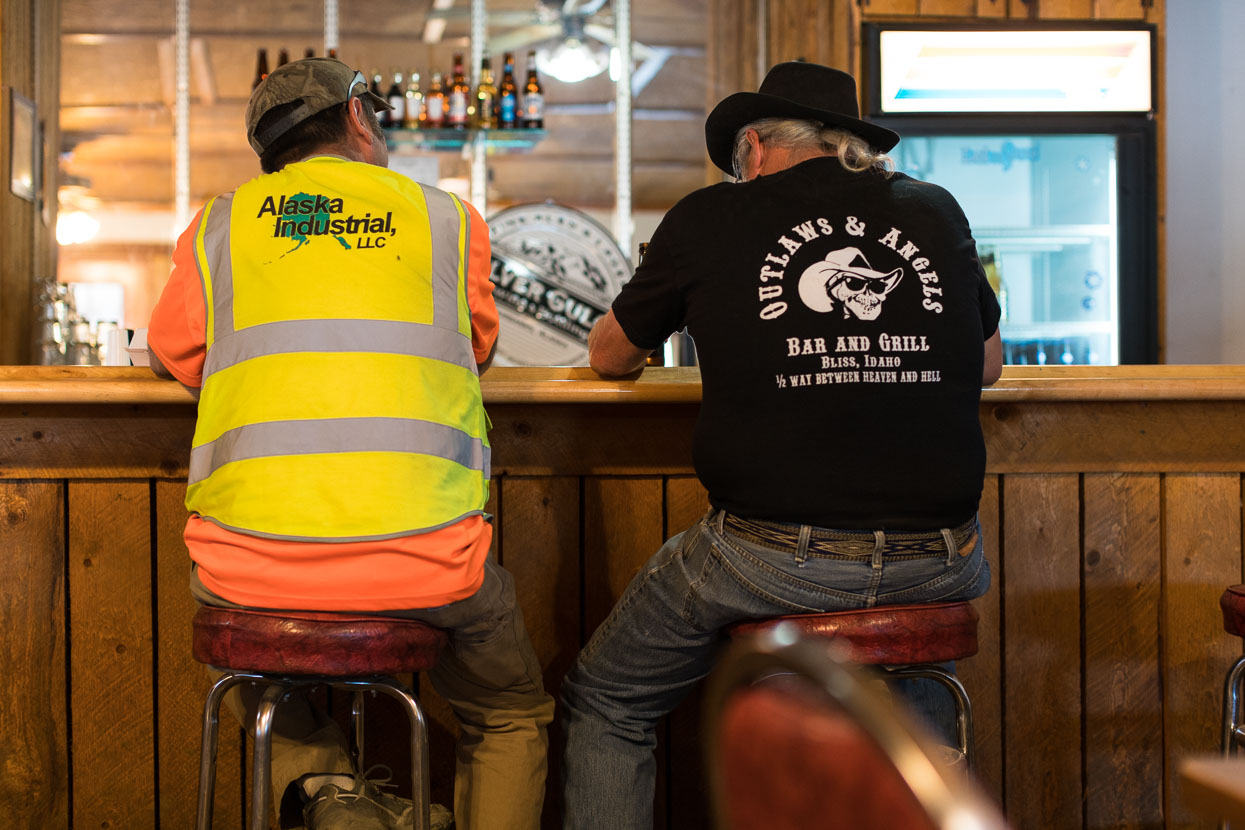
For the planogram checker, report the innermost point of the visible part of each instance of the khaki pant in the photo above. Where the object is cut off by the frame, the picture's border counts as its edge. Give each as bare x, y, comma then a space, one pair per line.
492, 680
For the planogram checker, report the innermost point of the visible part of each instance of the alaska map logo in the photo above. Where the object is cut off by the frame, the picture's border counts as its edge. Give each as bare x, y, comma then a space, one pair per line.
304, 215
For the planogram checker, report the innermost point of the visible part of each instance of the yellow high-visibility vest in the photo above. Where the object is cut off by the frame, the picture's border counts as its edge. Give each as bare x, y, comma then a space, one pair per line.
340, 398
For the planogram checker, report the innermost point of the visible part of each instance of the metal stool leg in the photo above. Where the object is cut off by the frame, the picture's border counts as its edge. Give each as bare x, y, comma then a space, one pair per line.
207, 751
421, 785
356, 729
261, 772
963, 707
1232, 707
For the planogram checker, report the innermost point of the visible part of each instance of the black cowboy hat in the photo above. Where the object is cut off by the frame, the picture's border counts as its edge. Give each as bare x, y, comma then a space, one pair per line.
794, 89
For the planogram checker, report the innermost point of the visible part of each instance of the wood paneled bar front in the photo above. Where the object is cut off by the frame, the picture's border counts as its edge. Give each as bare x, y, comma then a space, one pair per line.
1113, 520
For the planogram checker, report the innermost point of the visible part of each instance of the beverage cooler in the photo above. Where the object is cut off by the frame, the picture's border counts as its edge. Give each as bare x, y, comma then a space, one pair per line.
1045, 136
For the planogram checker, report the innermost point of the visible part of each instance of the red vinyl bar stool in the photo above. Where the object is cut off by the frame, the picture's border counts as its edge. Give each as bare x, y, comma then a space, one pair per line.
284, 651
899, 640
1232, 602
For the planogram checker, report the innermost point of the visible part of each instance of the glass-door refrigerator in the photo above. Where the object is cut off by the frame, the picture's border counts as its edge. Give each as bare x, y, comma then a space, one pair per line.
1045, 137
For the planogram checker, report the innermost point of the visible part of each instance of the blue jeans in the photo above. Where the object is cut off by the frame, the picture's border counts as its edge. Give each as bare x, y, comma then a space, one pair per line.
667, 629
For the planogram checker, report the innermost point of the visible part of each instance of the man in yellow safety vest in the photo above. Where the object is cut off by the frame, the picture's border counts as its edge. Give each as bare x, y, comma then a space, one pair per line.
334, 317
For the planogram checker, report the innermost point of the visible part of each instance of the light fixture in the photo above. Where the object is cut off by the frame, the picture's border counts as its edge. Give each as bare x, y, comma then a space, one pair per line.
75, 227
571, 60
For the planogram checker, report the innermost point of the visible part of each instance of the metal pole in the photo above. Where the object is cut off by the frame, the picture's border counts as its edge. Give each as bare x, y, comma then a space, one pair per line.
479, 171
762, 40
623, 225
181, 118
330, 26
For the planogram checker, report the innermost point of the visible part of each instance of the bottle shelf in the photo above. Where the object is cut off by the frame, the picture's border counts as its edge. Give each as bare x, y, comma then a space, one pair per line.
442, 139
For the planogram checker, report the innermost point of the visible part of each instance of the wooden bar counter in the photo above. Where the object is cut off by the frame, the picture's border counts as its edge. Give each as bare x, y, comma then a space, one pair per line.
1112, 515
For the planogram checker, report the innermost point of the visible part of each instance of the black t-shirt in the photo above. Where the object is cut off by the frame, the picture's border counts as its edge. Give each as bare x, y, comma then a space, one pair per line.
839, 319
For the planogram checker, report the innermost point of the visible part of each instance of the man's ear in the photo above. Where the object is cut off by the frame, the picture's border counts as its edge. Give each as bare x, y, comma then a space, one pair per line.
355, 117
757, 154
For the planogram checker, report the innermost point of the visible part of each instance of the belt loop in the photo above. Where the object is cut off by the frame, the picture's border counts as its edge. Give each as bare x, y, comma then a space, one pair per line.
950, 543
879, 542
801, 550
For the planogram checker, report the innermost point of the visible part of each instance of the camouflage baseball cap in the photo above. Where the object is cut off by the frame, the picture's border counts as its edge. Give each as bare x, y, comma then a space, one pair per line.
315, 83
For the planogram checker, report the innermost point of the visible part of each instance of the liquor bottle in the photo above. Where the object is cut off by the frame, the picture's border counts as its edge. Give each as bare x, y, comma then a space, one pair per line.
435, 102
333, 53
397, 99
381, 117
261, 68
533, 97
413, 113
310, 53
508, 97
486, 97
460, 92
283, 57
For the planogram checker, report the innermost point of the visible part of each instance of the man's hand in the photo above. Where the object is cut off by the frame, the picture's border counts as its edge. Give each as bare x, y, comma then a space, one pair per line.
994, 359
158, 368
481, 368
161, 371
610, 353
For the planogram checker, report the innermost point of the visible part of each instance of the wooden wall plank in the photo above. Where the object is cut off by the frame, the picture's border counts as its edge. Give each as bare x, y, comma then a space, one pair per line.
182, 683
1129, 436
982, 673
110, 647
686, 502
34, 789
1119, 10
550, 440
992, 8
1064, 9
540, 532
890, 7
811, 30
1029, 436
1202, 556
1123, 700
622, 520
622, 529
22, 64
95, 441
949, 8
1041, 630
730, 58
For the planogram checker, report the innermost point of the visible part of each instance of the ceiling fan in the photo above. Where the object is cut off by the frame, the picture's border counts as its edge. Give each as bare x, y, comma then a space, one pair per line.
573, 39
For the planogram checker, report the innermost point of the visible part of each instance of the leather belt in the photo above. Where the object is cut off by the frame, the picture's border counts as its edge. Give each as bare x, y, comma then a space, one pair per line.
851, 543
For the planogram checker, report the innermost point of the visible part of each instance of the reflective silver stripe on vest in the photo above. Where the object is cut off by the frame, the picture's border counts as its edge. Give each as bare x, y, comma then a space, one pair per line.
466, 258
443, 225
415, 531
220, 265
194, 248
334, 435
369, 336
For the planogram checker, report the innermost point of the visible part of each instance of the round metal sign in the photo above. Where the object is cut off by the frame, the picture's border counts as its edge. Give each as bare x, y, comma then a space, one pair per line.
555, 273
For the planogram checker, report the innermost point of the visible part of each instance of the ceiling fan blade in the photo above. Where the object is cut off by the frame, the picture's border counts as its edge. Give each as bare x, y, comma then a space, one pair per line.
509, 41
512, 17
639, 51
584, 7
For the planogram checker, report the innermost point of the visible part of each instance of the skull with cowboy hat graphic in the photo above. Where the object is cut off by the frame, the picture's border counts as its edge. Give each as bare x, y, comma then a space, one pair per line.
845, 275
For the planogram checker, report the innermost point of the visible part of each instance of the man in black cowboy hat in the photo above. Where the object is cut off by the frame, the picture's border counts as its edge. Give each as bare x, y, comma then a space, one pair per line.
844, 329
